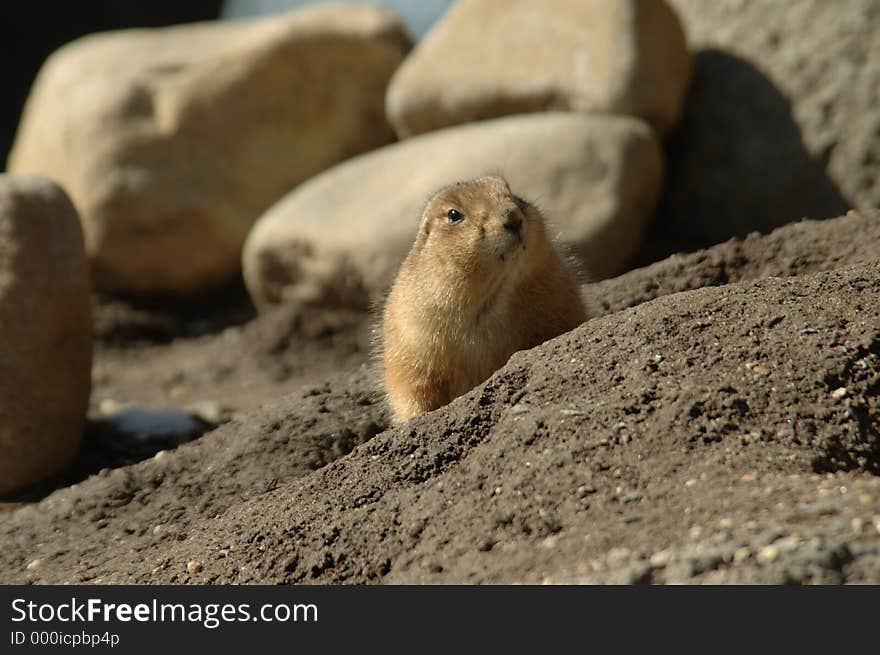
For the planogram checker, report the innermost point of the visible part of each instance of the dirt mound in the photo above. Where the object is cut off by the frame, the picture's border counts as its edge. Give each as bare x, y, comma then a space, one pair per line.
795, 249
720, 434
148, 505
638, 430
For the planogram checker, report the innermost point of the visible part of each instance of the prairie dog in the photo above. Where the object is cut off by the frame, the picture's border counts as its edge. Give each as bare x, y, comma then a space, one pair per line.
481, 281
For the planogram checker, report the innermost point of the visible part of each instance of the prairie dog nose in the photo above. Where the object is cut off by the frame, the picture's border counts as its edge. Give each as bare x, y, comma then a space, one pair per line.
511, 219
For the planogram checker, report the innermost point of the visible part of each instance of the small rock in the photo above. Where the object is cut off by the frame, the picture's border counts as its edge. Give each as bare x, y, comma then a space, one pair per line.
108, 406
209, 411
660, 559
768, 554
788, 544
741, 554
550, 542
194, 567
839, 393
585, 490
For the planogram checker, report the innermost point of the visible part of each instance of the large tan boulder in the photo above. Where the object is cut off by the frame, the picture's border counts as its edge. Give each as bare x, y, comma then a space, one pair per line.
173, 141
489, 58
45, 331
782, 122
339, 238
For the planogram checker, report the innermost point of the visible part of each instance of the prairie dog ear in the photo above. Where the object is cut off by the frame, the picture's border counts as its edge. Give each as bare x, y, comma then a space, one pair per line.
521, 202
424, 230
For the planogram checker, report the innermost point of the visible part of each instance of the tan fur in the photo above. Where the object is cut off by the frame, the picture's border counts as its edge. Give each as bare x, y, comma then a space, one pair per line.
471, 294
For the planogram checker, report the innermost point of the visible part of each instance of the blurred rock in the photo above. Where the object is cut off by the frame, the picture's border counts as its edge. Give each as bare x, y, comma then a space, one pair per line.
488, 58
28, 38
339, 238
210, 412
173, 141
783, 116
45, 331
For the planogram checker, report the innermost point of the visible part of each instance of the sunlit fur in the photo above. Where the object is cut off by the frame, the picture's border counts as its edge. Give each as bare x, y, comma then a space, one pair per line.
471, 294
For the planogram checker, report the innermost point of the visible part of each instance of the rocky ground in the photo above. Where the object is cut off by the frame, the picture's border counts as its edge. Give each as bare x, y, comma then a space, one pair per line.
718, 421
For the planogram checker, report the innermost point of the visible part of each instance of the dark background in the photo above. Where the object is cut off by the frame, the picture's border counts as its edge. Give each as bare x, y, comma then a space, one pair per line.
31, 31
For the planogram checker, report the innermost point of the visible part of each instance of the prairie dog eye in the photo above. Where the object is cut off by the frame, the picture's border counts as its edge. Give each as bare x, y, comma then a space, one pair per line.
454, 216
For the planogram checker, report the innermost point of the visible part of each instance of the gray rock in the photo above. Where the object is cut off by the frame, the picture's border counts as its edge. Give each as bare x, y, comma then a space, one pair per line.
489, 58
45, 331
339, 238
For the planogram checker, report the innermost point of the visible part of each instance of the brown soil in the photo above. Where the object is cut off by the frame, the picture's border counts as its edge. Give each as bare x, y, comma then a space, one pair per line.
720, 422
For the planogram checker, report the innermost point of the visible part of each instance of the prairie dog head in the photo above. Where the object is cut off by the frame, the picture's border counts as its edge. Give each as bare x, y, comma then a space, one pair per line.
476, 235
